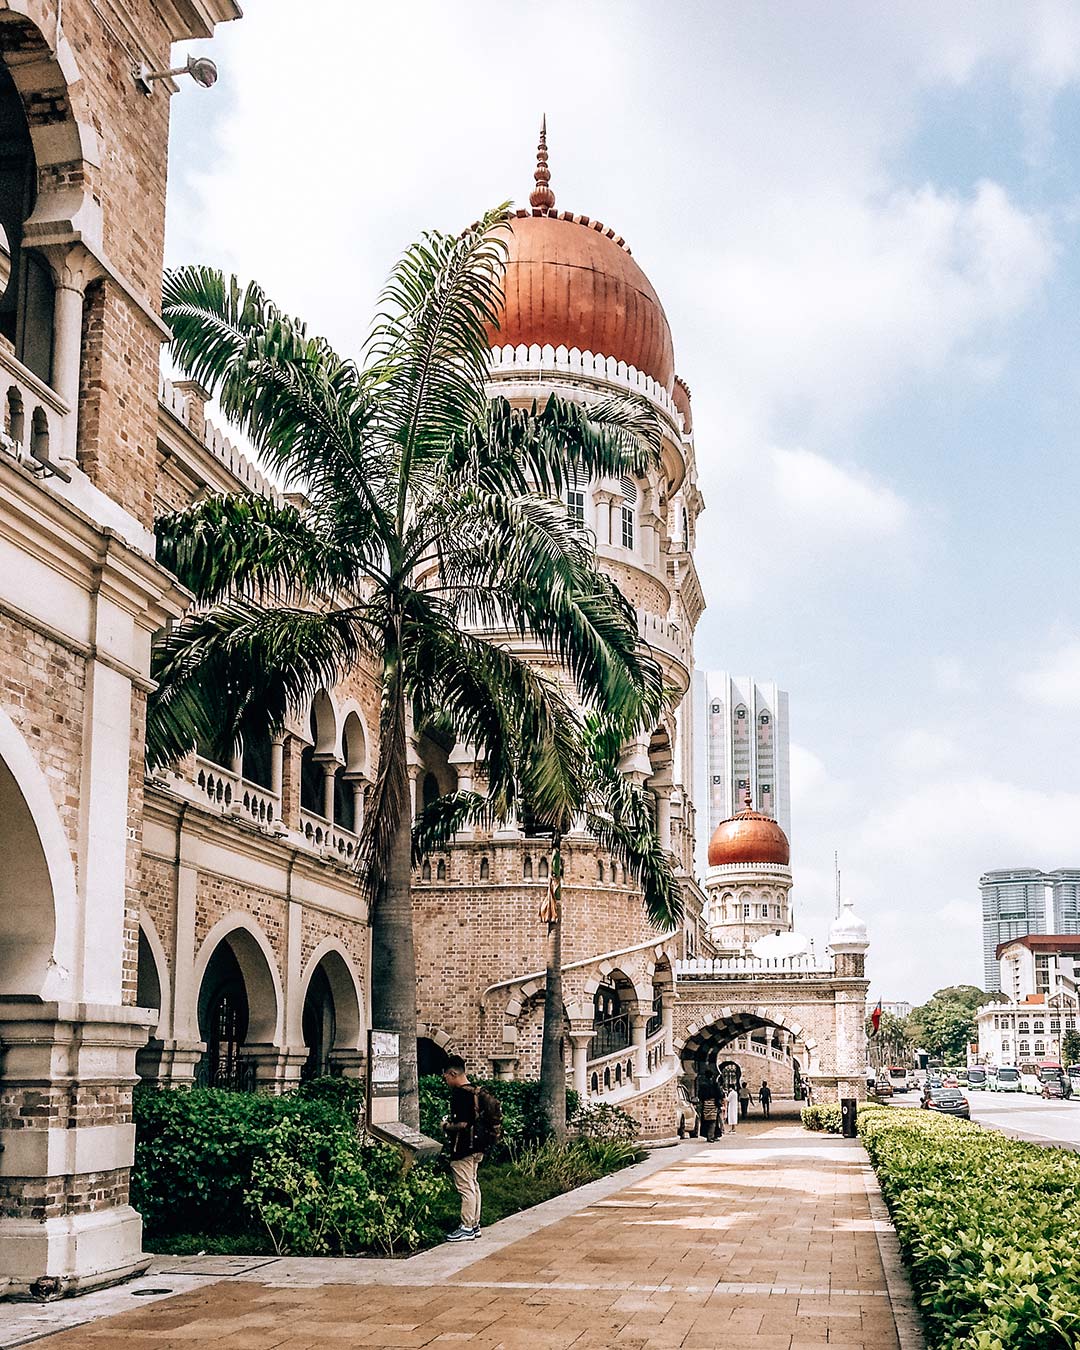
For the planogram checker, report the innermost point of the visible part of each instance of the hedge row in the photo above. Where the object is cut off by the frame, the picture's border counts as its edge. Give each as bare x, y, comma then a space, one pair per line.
989, 1227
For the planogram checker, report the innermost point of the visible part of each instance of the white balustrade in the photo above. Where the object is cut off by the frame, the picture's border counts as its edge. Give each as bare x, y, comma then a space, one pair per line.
235, 795
33, 414
322, 834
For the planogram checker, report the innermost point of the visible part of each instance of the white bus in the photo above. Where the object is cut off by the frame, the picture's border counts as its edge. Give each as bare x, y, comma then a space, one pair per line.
900, 1078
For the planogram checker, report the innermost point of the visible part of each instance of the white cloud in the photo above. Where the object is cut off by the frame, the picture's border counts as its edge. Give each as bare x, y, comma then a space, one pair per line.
919, 751
952, 676
817, 493
1056, 683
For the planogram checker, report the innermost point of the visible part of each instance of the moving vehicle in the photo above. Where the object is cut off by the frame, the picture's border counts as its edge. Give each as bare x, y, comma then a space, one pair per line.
1073, 1074
883, 1088
686, 1115
949, 1079
949, 1101
900, 1078
1007, 1079
976, 1078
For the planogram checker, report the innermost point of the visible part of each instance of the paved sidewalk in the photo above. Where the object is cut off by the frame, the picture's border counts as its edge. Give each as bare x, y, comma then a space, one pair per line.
761, 1241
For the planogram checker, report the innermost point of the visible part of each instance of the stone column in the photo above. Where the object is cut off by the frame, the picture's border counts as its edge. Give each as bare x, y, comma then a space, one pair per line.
580, 1036
277, 765
668, 1002
662, 794
73, 270
605, 502
639, 1025
358, 785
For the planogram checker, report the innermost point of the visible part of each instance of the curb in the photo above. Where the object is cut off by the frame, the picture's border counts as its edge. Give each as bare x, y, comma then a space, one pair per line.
909, 1326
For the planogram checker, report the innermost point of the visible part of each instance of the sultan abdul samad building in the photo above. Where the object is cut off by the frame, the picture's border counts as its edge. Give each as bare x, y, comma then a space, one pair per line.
204, 924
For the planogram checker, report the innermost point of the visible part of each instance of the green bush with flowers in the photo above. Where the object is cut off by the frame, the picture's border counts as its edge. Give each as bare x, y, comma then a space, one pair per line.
989, 1228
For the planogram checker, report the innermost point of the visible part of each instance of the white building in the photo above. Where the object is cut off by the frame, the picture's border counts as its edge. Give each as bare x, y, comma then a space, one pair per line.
1039, 975
1021, 900
899, 1007
742, 745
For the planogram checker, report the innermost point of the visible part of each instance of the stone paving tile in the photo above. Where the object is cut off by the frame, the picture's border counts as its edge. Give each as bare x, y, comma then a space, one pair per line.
763, 1240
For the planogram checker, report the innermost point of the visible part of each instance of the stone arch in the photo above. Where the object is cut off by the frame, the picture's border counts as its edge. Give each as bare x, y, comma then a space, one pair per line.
38, 895
255, 957
346, 988
151, 945
433, 1046
325, 727
355, 741
44, 77
729, 1024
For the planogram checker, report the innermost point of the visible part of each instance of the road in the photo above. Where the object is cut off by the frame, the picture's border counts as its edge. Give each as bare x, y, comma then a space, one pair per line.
1019, 1113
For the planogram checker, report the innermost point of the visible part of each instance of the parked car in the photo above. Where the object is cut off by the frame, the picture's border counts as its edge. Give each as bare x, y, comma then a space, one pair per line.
1007, 1079
949, 1101
976, 1078
686, 1113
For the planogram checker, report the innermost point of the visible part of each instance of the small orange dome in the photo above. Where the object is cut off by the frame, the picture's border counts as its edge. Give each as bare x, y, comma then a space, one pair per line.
570, 282
749, 837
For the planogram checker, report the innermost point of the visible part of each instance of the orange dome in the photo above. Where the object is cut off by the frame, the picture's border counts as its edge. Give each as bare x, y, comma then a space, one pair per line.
749, 837
571, 282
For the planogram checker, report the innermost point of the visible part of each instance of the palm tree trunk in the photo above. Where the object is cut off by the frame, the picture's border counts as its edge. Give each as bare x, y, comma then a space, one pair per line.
552, 1054
393, 965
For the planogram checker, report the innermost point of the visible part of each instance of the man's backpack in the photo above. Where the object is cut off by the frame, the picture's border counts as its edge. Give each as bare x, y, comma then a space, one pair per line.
487, 1120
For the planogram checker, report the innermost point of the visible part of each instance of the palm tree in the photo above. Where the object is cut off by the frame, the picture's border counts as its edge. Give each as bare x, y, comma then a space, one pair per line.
431, 530
618, 814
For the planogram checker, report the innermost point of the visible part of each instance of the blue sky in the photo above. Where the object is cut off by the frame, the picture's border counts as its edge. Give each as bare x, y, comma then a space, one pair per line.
864, 223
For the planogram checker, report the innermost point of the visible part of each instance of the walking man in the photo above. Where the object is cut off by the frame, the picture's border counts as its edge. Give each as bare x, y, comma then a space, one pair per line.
765, 1098
709, 1112
474, 1125
744, 1098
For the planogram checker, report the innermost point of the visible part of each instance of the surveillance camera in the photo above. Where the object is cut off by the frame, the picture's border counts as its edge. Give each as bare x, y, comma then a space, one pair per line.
202, 70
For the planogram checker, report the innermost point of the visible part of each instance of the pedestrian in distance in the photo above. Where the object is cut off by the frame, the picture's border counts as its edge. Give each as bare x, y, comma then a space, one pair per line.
744, 1099
709, 1112
474, 1125
732, 1101
807, 1092
765, 1098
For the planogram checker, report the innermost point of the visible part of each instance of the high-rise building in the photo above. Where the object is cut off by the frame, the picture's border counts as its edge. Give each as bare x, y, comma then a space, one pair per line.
1019, 901
742, 744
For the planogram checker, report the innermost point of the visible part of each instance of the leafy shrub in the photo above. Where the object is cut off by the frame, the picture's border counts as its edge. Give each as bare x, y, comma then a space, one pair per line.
194, 1151
320, 1196
210, 1165
989, 1227
522, 1119
604, 1122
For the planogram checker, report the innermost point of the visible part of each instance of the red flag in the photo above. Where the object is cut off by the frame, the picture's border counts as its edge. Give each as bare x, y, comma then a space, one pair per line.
875, 1017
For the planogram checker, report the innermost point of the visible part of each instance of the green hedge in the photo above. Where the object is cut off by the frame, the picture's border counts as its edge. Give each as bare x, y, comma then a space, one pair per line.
292, 1169
989, 1227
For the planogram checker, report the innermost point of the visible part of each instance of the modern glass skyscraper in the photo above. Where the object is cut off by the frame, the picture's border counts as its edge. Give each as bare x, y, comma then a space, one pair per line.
741, 741
1024, 900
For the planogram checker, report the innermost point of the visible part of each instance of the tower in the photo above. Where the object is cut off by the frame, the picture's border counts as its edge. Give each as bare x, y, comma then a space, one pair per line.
748, 883
743, 742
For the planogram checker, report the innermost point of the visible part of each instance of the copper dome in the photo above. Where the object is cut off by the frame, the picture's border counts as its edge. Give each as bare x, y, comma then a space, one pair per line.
749, 837
571, 282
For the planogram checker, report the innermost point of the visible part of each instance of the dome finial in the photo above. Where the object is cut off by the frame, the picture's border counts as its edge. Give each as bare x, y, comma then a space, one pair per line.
542, 195
748, 800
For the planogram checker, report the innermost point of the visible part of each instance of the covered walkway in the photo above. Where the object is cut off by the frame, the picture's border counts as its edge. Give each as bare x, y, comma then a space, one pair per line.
765, 1240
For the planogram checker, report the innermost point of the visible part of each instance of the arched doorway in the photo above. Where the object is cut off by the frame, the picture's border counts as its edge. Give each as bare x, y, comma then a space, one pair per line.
223, 1024
237, 1006
331, 1020
430, 1057
319, 1026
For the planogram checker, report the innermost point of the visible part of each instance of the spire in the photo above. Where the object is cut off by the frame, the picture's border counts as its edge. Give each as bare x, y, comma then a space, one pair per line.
748, 801
542, 195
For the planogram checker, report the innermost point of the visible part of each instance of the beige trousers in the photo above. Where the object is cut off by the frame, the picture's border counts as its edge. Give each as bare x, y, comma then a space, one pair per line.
468, 1187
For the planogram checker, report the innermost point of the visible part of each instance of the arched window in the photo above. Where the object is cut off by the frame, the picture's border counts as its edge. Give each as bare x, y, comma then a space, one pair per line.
440, 870
484, 869
542, 869
312, 777
430, 788
600, 870
425, 870
526, 868
686, 527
